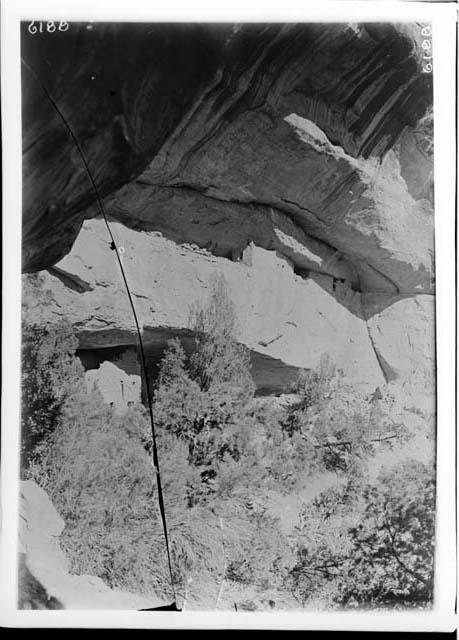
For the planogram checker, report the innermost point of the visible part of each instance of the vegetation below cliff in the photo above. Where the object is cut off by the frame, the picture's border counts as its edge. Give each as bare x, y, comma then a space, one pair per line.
224, 454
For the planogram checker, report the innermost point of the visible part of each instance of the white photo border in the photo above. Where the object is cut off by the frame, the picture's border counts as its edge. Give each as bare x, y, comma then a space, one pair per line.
443, 17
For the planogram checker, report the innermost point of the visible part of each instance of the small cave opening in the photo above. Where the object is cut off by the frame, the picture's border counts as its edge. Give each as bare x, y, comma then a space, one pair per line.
232, 253
271, 375
226, 253
300, 271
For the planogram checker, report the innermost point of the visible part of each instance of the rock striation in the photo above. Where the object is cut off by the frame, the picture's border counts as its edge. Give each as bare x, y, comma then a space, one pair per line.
294, 160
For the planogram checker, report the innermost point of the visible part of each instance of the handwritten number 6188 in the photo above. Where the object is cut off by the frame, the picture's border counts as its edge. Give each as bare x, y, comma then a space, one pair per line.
49, 26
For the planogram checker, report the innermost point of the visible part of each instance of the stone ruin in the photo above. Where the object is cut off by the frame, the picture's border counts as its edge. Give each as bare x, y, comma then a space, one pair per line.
119, 389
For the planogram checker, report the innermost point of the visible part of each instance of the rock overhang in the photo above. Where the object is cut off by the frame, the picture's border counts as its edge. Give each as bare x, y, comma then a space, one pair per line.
296, 139
176, 86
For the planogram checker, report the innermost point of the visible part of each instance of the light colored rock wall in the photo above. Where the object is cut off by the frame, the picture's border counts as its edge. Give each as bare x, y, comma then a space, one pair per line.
297, 162
402, 330
362, 208
279, 314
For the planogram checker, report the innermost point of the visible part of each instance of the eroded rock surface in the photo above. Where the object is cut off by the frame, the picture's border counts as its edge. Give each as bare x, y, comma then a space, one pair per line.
288, 321
210, 107
295, 160
403, 335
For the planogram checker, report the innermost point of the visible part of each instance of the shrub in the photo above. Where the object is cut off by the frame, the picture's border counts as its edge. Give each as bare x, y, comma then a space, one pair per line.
371, 546
201, 400
338, 425
218, 363
100, 478
221, 453
50, 373
256, 552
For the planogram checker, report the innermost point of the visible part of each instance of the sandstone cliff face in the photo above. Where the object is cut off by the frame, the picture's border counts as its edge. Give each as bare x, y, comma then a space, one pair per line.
288, 321
290, 159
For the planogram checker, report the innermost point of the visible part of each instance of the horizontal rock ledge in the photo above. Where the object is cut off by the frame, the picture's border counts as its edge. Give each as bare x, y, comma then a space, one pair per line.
281, 316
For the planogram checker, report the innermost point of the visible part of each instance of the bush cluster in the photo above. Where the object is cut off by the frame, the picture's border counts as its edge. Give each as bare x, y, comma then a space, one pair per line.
222, 452
370, 545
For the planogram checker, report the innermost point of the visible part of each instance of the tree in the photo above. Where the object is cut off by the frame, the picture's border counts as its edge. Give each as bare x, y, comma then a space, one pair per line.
371, 545
100, 478
50, 373
340, 426
202, 399
97, 470
218, 363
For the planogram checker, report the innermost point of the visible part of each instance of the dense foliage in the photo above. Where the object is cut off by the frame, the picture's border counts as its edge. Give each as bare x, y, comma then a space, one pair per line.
49, 374
378, 546
223, 455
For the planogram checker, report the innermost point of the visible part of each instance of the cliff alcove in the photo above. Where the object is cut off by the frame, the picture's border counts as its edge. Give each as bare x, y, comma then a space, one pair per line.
287, 168
296, 144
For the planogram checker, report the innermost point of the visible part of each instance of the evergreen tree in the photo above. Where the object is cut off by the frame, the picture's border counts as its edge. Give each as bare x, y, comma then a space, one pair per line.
50, 373
202, 399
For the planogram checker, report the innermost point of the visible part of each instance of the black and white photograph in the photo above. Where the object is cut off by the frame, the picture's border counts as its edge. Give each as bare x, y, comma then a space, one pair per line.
228, 366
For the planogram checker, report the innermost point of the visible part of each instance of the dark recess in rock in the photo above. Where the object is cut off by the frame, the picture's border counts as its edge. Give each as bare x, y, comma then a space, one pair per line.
125, 88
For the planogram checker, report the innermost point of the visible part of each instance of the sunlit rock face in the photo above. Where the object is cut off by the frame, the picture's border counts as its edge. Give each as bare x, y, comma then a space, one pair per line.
402, 332
288, 321
295, 161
